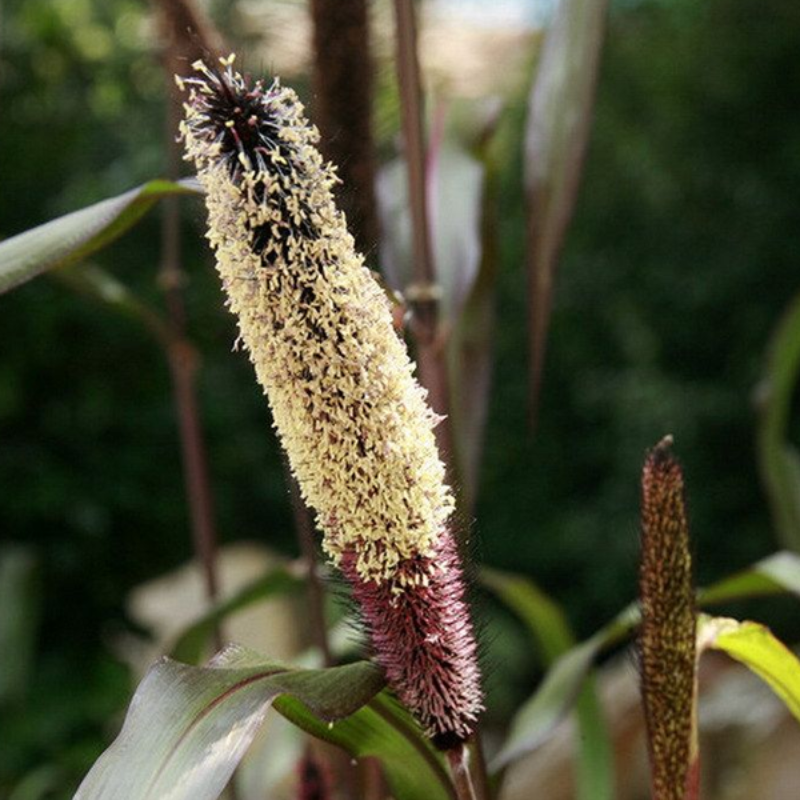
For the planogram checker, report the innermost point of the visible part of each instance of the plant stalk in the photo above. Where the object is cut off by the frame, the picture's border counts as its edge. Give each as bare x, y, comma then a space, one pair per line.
342, 109
183, 362
459, 760
423, 294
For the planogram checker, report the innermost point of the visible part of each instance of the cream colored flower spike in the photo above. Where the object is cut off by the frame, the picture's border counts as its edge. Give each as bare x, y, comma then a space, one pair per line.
352, 418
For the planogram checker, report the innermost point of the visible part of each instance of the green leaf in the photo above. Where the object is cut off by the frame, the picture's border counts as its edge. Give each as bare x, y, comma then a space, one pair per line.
561, 687
384, 730
559, 117
100, 285
547, 623
778, 460
187, 727
537, 718
535, 721
759, 650
776, 574
73, 237
190, 644
543, 618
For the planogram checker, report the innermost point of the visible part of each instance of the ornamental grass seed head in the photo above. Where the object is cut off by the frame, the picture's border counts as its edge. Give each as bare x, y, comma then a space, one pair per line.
667, 635
353, 420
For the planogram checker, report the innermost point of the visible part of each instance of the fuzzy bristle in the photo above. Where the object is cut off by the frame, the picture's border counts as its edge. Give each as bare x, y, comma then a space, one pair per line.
423, 638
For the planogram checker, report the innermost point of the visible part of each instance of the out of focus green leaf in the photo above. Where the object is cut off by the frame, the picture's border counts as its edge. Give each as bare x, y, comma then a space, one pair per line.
561, 687
73, 237
535, 721
543, 618
20, 597
187, 727
567, 681
38, 784
757, 648
383, 729
559, 118
103, 286
776, 574
190, 644
778, 459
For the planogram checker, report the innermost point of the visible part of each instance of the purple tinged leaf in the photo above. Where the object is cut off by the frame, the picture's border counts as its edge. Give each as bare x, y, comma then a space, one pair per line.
559, 118
188, 727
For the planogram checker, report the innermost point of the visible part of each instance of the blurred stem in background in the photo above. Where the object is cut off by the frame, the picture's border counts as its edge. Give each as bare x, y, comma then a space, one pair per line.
186, 37
423, 294
343, 91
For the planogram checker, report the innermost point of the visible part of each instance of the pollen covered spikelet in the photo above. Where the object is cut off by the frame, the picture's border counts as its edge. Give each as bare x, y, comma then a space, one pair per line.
353, 420
667, 637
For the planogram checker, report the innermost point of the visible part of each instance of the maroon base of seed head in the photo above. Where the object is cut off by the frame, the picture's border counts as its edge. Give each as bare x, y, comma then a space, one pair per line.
423, 638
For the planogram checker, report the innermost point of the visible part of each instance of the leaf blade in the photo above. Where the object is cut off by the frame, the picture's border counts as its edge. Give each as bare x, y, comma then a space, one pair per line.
756, 647
74, 236
559, 119
188, 727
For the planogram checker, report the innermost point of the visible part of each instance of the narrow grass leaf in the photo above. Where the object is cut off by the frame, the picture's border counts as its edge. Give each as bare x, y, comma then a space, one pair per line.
559, 117
567, 682
776, 574
75, 236
187, 727
778, 460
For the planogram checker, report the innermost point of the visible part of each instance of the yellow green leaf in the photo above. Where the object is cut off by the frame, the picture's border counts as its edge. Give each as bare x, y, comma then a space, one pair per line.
759, 650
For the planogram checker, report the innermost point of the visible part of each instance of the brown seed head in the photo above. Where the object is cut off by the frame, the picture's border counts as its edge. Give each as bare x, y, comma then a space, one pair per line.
667, 637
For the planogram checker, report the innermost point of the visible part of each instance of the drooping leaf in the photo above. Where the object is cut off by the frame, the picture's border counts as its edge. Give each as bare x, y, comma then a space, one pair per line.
559, 118
190, 644
73, 237
187, 727
759, 650
775, 574
547, 623
778, 459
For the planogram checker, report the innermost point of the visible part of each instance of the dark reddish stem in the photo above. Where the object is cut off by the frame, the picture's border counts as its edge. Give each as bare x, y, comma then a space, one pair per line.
183, 365
458, 758
316, 594
423, 295
342, 109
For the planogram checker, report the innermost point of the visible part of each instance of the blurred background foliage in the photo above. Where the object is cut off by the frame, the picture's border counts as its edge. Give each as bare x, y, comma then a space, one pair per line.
678, 265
